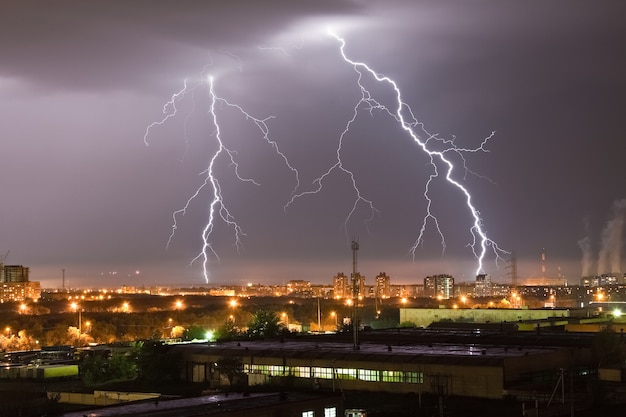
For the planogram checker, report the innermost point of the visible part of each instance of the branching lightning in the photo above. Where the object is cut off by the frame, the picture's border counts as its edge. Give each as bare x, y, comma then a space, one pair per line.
437, 150
403, 114
218, 209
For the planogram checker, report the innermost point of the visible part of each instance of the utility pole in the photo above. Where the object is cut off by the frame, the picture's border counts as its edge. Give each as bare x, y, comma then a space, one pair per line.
355, 295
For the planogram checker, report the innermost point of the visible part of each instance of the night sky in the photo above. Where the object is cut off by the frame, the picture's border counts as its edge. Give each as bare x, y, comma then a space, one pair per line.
80, 82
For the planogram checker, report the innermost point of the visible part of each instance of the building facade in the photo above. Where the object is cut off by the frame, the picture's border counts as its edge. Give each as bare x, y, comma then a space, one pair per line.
15, 285
341, 286
382, 288
484, 287
439, 286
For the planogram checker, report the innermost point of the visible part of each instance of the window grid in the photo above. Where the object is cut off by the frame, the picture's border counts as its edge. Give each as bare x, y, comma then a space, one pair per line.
330, 412
345, 373
370, 375
322, 373
300, 371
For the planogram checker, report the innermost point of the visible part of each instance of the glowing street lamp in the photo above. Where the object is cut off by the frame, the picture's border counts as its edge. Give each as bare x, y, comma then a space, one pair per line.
285, 318
178, 305
334, 315
76, 308
22, 308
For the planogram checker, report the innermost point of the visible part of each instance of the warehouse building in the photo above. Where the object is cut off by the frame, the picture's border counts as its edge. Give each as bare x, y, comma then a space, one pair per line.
478, 369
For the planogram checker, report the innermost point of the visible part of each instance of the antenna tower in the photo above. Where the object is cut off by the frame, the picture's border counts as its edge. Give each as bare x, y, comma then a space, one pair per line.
355, 295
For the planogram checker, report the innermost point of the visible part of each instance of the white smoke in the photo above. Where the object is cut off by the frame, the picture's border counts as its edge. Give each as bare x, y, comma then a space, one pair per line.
610, 255
585, 247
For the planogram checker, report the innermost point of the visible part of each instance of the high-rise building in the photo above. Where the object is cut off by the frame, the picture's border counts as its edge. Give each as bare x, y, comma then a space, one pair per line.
14, 273
484, 287
341, 286
439, 286
15, 284
360, 285
382, 287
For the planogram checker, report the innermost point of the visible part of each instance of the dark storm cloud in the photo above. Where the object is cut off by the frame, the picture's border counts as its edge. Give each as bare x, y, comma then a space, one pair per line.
80, 81
124, 45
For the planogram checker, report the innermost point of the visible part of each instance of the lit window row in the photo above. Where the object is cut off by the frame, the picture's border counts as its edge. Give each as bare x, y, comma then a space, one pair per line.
371, 375
328, 412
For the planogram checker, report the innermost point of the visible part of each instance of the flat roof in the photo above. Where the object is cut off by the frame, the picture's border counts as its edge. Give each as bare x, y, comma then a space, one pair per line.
197, 406
368, 352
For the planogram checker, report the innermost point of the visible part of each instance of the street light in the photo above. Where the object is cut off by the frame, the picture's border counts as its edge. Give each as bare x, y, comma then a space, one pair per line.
77, 308
334, 315
285, 318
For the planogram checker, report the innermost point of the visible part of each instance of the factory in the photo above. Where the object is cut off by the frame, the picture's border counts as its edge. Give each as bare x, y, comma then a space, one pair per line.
472, 363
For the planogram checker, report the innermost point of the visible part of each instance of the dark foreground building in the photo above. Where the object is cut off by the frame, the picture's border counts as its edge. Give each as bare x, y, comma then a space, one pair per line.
222, 405
471, 364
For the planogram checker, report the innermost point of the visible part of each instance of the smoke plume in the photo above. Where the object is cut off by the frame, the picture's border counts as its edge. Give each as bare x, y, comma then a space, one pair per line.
609, 257
585, 247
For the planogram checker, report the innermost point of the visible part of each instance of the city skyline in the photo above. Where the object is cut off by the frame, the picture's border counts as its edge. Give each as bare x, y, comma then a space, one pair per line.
85, 85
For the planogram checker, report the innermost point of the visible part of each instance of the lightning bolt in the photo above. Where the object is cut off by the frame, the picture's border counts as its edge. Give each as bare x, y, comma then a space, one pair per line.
439, 152
218, 209
439, 161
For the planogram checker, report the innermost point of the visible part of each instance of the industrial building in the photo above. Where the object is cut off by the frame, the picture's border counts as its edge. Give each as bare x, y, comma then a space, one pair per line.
222, 405
482, 365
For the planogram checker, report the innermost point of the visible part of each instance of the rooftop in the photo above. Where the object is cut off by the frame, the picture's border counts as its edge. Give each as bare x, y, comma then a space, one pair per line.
216, 404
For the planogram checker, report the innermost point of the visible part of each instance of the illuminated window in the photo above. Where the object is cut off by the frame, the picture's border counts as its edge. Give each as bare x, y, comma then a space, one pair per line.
392, 376
308, 413
330, 412
322, 373
345, 373
264, 369
368, 375
300, 371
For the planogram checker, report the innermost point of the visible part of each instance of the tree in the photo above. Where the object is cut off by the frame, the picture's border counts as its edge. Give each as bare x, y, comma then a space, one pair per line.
230, 367
121, 366
227, 330
156, 363
93, 370
264, 324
